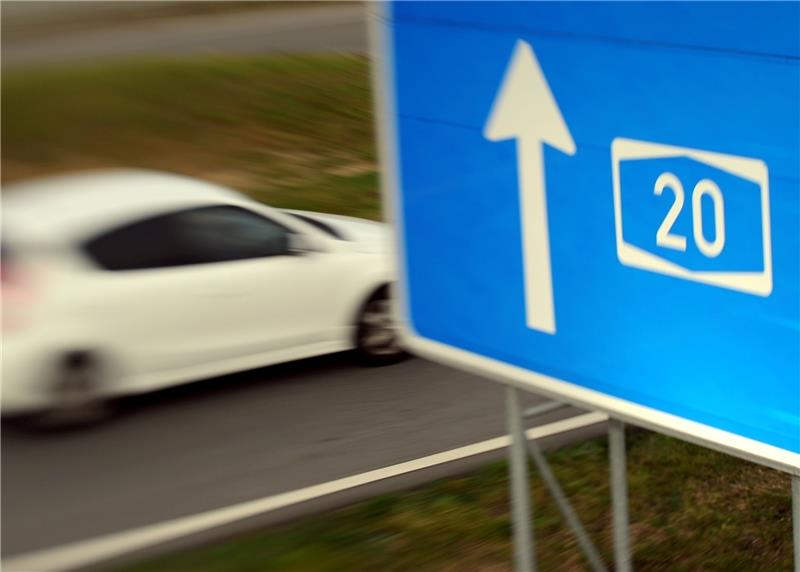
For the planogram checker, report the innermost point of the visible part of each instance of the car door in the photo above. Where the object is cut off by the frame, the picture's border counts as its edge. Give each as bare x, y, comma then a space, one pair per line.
152, 298
261, 298
203, 290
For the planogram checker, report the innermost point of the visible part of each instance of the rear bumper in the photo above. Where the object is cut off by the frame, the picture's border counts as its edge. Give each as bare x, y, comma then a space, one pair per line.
26, 373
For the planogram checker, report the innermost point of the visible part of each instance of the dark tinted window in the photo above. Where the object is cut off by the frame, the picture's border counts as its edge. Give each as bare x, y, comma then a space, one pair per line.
218, 234
197, 236
146, 244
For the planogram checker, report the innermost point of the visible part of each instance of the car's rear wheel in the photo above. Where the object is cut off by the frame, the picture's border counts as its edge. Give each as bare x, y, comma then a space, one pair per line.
76, 397
377, 341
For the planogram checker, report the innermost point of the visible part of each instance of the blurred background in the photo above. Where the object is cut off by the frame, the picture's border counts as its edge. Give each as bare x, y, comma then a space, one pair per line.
271, 98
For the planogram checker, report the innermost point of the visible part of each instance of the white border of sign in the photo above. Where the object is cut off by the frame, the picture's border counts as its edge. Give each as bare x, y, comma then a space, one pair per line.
383, 90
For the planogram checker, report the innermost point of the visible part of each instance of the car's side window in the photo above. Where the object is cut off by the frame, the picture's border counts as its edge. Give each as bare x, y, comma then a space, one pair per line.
149, 243
196, 236
218, 234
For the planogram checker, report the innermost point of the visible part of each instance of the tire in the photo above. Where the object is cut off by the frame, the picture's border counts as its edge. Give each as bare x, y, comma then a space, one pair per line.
76, 397
377, 340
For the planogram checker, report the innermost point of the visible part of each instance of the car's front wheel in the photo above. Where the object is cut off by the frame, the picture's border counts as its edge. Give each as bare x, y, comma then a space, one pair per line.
377, 342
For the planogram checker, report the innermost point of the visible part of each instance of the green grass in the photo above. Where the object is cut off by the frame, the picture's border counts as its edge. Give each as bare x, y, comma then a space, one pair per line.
293, 131
690, 509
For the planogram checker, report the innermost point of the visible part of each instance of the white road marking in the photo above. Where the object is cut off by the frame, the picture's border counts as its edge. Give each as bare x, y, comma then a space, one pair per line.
83, 553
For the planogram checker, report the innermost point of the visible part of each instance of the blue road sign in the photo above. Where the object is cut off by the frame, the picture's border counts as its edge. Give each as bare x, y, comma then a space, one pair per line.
601, 202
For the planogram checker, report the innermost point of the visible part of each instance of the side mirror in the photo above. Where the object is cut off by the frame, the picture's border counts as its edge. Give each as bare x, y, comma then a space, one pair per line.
300, 244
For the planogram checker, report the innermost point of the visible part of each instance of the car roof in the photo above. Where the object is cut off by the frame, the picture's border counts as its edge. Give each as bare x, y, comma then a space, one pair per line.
69, 207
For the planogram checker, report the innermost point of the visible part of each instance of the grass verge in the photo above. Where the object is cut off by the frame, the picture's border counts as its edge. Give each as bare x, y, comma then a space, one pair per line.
292, 131
690, 508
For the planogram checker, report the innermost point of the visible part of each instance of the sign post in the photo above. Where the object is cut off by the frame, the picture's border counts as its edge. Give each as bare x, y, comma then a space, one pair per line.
520, 483
796, 520
619, 494
600, 203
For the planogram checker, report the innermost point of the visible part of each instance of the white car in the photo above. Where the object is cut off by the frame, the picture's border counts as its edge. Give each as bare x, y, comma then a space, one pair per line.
120, 282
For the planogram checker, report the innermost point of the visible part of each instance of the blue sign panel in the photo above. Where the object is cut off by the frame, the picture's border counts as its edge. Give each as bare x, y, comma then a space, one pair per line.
602, 201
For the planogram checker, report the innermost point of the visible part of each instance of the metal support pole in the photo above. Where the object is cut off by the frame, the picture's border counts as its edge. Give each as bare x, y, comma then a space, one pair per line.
595, 561
520, 484
796, 520
619, 494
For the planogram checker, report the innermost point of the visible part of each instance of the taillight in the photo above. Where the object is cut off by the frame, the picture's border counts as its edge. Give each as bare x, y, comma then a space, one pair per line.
6, 273
16, 291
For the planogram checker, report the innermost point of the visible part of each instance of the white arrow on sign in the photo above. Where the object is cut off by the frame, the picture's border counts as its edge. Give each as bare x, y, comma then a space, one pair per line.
524, 109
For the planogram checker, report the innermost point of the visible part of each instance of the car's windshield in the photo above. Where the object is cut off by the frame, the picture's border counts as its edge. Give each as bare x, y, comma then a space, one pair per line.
324, 227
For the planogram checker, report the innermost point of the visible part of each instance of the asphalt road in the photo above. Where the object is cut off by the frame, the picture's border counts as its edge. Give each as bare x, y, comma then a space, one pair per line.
227, 440
335, 28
